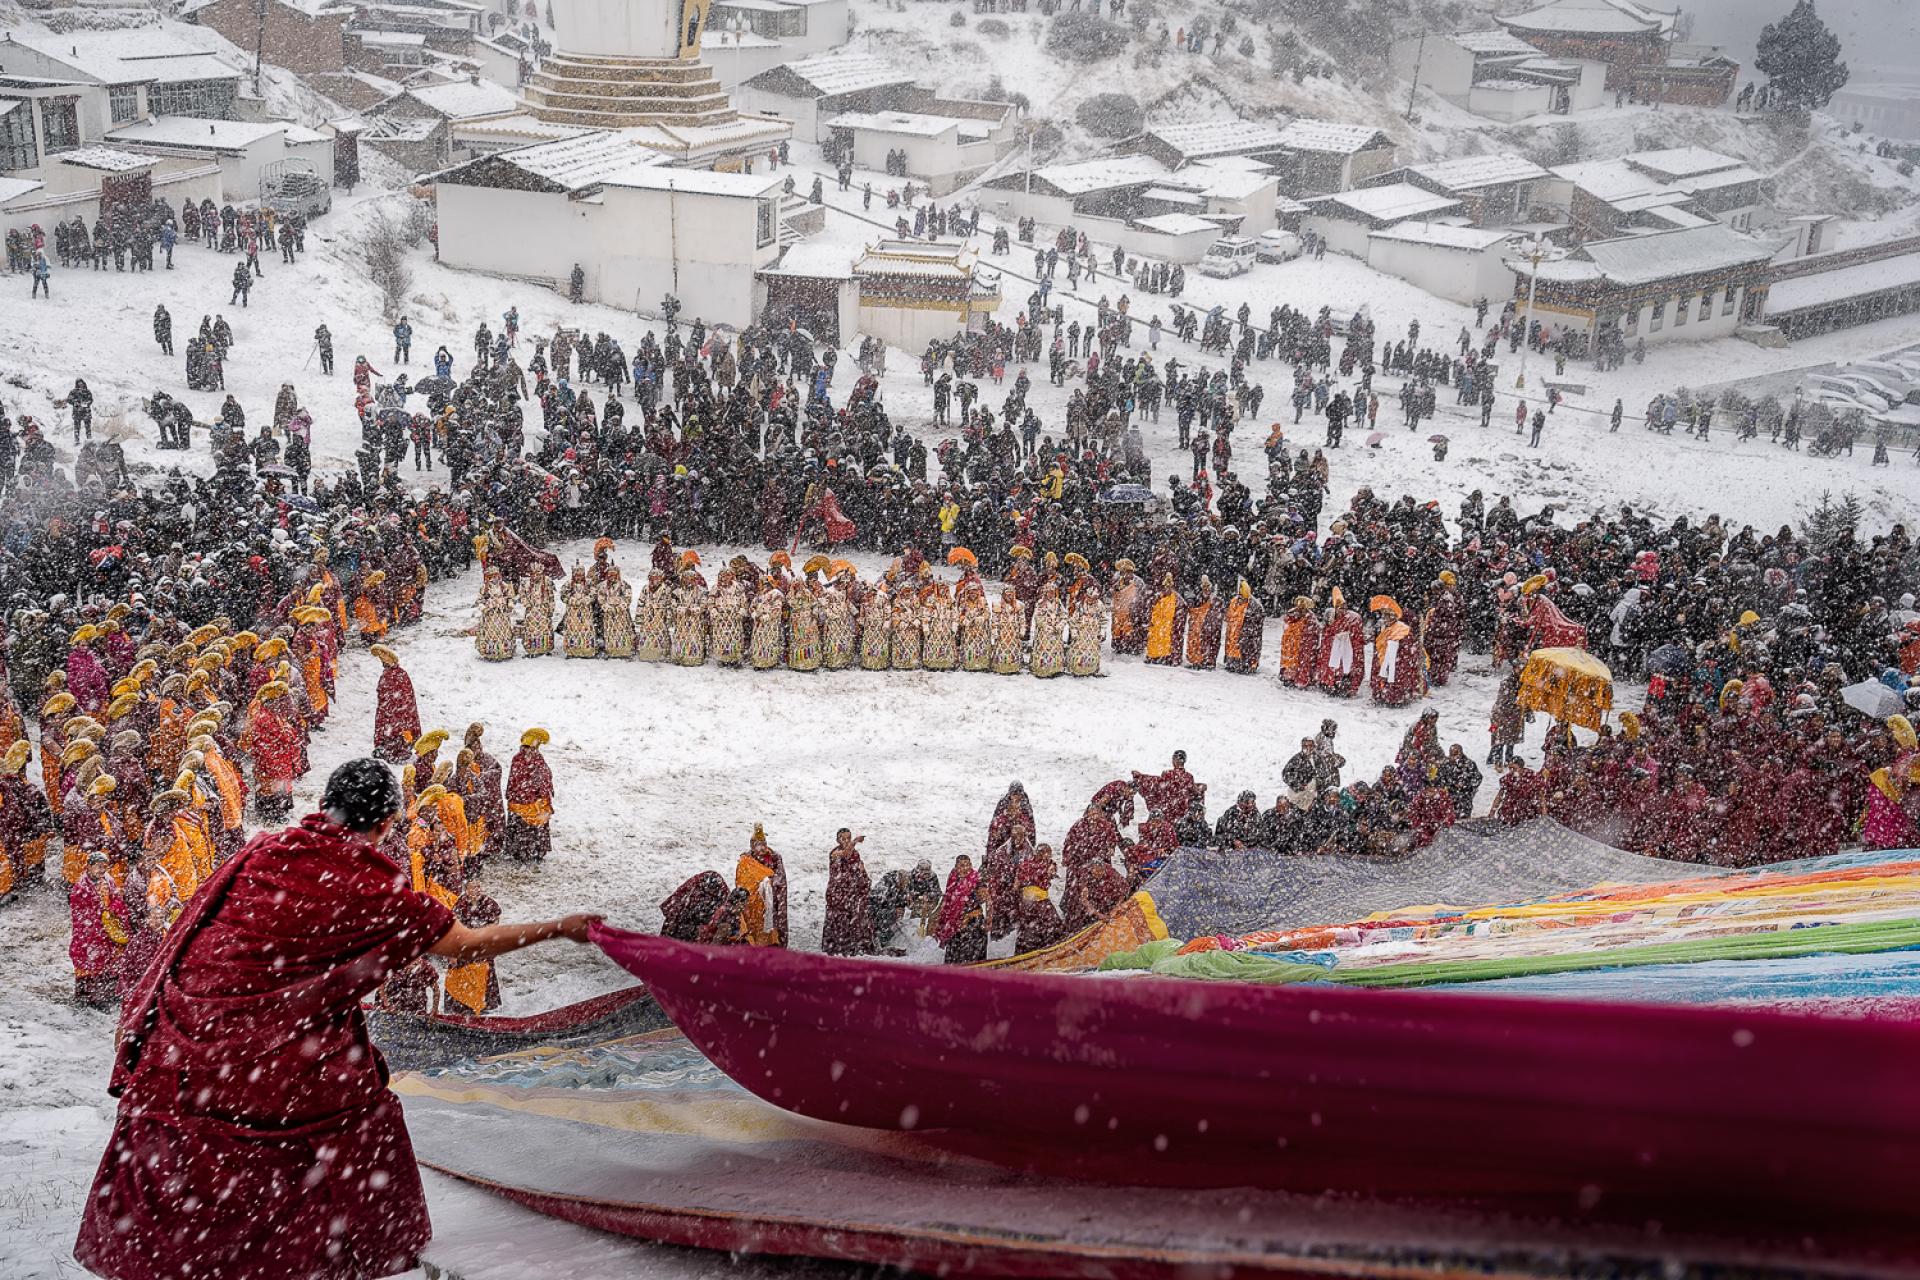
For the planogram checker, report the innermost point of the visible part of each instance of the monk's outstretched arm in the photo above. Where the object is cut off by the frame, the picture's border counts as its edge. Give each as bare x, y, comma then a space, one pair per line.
466, 944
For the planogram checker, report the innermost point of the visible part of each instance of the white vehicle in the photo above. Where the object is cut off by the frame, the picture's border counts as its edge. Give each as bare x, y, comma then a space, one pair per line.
1839, 401
1278, 246
1894, 390
1229, 256
1824, 386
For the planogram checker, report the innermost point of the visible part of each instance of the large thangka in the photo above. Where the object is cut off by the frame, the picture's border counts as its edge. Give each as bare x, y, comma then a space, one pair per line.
645, 1137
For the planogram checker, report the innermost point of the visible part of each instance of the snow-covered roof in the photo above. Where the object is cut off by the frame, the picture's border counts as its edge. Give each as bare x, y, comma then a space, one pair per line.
569, 164
917, 260
1394, 202
198, 133
1718, 181
1609, 180
1176, 224
1469, 173
1195, 139
466, 99
910, 123
1659, 198
1681, 162
1172, 195
299, 133
401, 129
1084, 176
7, 105
14, 188
1674, 216
1590, 17
395, 39
1221, 184
832, 74
1497, 42
1329, 136
105, 159
163, 54
1506, 84
1232, 164
1664, 255
1848, 282
812, 261
1444, 235
651, 175
697, 139
526, 127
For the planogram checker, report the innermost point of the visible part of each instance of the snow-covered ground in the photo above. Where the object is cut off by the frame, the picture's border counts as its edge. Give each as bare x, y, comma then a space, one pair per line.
663, 771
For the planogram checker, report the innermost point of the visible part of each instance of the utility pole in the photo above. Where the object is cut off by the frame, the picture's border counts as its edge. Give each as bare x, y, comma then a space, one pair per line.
1419, 57
1535, 254
1030, 131
259, 41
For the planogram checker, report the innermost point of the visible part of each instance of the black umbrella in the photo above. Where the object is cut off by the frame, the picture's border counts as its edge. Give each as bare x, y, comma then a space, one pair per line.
1670, 660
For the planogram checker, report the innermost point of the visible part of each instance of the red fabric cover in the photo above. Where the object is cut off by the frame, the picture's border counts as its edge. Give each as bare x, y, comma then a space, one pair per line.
1699, 1114
247, 1080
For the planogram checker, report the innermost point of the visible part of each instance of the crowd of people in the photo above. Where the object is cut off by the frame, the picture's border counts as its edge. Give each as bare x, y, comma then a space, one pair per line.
707, 436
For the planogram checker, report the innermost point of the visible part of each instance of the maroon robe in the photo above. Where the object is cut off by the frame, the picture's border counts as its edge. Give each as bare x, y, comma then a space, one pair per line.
1441, 636
396, 716
1344, 622
529, 782
248, 1084
687, 909
1206, 617
848, 930
1241, 643
1089, 846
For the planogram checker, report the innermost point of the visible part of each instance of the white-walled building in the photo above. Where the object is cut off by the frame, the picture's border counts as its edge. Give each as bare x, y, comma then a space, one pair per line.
1688, 283
942, 151
812, 91
1345, 219
1060, 193
1461, 264
164, 70
1496, 74
53, 165
797, 27
241, 149
637, 228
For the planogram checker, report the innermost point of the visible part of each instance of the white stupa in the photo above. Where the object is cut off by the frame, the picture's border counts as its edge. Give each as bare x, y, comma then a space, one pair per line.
635, 65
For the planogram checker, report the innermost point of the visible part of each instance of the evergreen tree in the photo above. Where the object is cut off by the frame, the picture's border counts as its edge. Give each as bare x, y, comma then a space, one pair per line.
1801, 59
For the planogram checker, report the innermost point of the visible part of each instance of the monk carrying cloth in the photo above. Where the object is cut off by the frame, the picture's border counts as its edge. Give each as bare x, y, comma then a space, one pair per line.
256, 1135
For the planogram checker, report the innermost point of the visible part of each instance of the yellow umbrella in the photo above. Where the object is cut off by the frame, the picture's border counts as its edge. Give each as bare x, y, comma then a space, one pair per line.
1569, 684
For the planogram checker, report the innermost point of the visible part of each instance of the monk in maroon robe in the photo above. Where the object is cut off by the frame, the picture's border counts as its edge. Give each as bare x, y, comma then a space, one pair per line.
1520, 796
1442, 631
1090, 844
396, 715
256, 1135
1342, 666
1170, 794
1206, 618
848, 930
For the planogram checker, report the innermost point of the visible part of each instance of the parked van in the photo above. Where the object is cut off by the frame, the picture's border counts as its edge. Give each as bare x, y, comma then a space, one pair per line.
1278, 246
1230, 256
